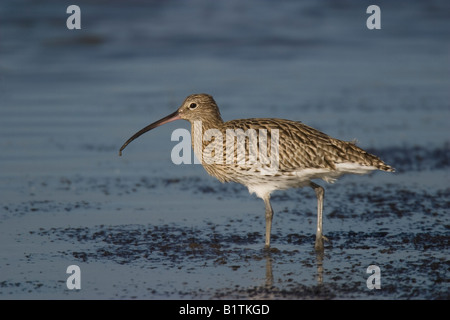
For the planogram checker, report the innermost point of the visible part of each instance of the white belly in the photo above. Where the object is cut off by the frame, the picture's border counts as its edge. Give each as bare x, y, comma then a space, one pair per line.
262, 185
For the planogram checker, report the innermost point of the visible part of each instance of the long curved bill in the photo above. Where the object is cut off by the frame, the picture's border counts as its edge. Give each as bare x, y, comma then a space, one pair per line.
171, 117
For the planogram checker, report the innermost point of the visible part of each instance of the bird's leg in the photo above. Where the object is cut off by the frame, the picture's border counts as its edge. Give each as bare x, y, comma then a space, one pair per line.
319, 233
269, 216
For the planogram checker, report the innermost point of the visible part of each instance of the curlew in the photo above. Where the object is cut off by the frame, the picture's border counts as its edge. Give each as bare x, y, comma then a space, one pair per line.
268, 154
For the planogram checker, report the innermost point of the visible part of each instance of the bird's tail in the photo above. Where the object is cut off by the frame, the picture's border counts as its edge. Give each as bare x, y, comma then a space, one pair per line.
386, 167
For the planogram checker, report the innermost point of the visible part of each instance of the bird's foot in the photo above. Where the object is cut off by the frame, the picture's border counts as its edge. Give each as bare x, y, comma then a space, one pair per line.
318, 246
269, 249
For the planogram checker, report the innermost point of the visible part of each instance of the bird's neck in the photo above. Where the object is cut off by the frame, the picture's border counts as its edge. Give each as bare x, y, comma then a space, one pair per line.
212, 122
203, 131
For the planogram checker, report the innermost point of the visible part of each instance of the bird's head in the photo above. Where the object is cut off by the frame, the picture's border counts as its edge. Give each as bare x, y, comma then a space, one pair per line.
196, 107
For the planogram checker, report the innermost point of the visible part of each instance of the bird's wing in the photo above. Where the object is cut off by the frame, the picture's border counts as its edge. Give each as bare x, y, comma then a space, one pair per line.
300, 146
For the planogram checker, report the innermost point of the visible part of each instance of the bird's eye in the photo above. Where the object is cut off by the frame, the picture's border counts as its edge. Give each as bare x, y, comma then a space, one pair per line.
192, 106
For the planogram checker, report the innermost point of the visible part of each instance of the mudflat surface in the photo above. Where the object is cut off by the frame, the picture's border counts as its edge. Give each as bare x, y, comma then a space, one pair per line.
141, 227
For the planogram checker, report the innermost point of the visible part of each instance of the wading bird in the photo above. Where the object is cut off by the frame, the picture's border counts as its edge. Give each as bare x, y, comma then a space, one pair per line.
298, 155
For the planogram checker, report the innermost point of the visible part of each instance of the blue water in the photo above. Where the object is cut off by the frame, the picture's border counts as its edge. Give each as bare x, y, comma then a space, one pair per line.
70, 98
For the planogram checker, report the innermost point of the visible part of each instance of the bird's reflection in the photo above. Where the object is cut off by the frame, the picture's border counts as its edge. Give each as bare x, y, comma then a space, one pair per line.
269, 271
319, 265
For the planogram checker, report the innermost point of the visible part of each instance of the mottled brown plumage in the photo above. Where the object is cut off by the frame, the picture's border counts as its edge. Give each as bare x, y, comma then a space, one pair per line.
301, 153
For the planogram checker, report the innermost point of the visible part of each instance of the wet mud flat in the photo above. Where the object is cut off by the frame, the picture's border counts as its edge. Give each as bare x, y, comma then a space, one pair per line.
206, 241
140, 227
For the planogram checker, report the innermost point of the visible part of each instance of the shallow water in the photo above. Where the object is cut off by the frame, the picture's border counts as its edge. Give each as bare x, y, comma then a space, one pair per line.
141, 227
